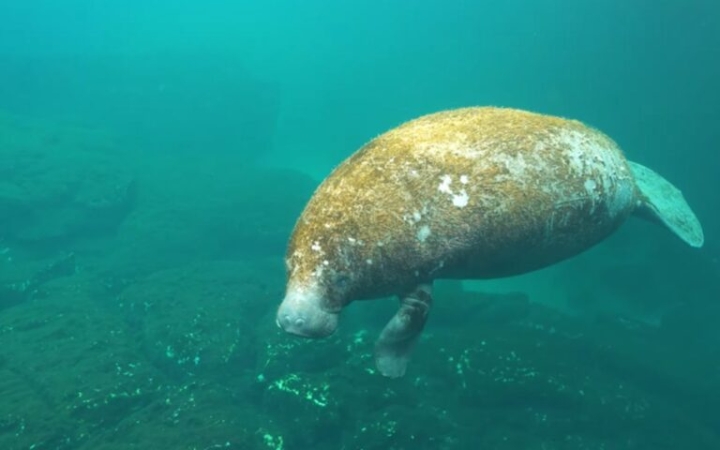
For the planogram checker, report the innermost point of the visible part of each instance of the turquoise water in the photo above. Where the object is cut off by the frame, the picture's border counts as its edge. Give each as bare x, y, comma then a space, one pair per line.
155, 155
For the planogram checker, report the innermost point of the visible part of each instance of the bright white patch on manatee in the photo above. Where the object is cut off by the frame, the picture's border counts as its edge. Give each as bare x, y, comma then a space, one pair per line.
461, 200
326, 262
445, 184
595, 162
590, 186
354, 241
368, 262
423, 233
578, 151
289, 266
515, 166
317, 273
609, 181
413, 218
540, 146
588, 157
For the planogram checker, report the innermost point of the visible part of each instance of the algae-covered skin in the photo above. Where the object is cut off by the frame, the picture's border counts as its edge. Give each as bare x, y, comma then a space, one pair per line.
462, 194
467, 193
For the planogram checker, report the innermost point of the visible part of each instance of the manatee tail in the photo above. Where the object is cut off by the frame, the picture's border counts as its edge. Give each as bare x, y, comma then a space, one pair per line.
664, 203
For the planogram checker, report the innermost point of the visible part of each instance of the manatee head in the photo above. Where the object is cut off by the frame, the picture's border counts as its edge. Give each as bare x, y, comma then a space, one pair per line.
307, 312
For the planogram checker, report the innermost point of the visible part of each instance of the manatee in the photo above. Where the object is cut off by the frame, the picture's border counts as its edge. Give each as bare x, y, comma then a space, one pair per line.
471, 193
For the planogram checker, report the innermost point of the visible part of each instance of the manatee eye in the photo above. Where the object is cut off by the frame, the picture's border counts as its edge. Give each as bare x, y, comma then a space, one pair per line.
341, 280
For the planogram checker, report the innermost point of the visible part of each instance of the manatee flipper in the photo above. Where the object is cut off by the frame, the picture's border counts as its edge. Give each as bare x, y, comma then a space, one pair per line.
398, 338
664, 203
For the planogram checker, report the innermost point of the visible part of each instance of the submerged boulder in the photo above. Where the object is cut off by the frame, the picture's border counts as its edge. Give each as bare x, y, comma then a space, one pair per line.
190, 358
196, 208
59, 184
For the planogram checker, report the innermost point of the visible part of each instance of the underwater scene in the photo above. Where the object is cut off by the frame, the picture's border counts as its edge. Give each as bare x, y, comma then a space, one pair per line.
172, 266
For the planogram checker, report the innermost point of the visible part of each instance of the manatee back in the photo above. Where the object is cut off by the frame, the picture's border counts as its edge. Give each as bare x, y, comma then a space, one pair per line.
468, 193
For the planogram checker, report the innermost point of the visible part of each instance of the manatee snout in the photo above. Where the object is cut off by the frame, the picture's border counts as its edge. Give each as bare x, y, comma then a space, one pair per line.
301, 314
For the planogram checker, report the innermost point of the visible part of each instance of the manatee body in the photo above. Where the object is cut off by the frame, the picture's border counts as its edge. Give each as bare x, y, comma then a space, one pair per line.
470, 193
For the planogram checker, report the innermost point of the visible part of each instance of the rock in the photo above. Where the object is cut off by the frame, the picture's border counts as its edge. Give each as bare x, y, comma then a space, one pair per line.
69, 368
59, 184
26, 280
82, 369
200, 320
199, 209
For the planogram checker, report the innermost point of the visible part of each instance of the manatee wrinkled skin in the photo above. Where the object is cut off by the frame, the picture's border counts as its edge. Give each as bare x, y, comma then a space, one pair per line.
467, 194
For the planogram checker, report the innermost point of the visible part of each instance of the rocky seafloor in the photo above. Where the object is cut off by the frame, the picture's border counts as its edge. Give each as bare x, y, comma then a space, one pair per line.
137, 312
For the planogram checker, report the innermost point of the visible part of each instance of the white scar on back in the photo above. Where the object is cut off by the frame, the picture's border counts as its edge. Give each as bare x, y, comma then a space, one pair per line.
459, 199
